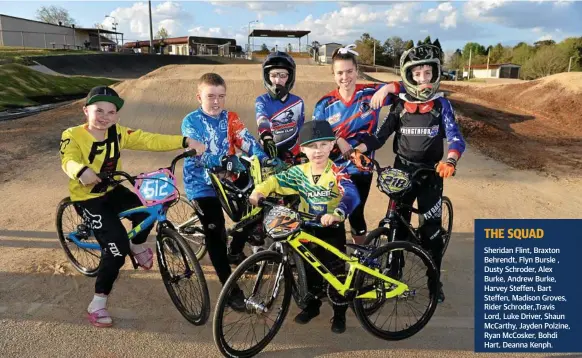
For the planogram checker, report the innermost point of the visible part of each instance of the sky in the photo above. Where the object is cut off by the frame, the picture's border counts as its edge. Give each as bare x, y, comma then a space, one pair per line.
454, 23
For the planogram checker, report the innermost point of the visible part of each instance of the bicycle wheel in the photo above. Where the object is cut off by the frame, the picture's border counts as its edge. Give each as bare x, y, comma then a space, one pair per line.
187, 283
258, 306
378, 237
86, 261
182, 215
426, 273
447, 223
300, 290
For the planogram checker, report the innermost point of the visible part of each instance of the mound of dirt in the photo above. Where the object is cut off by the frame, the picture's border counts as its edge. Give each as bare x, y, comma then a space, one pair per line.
159, 100
555, 101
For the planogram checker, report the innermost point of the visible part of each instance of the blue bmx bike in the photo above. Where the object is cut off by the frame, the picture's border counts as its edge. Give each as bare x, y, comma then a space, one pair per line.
180, 270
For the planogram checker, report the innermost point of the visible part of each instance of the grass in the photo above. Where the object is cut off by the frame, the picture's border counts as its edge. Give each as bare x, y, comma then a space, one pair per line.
20, 55
21, 86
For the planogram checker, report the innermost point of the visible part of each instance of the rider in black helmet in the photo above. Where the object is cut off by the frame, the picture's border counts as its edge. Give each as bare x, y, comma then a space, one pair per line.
279, 113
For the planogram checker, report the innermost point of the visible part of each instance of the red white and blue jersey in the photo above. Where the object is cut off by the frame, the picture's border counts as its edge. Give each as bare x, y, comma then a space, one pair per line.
282, 118
352, 120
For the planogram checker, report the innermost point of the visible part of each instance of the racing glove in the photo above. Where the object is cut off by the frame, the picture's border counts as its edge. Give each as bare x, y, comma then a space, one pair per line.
276, 163
446, 169
361, 162
269, 145
232, 164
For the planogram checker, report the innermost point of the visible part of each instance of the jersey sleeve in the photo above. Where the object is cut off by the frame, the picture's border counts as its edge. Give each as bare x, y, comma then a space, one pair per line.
455, 139
71, 156
319, 110
389, 99
350, 197
390, 125
261, 116
240, 136
283, 183
207, 160
301, 116
140, 140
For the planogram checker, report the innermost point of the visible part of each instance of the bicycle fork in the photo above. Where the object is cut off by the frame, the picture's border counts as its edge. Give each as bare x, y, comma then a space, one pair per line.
264, 307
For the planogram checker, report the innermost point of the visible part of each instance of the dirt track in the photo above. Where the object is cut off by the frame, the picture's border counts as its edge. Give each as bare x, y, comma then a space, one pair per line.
42, 299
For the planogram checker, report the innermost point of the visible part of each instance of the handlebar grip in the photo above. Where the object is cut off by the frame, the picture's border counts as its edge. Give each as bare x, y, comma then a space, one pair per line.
190, 153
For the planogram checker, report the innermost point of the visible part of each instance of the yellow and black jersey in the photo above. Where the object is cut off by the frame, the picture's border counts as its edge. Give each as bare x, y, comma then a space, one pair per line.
80, 150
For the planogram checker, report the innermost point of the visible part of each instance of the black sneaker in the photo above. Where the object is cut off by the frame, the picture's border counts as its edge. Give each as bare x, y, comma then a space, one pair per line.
441, 293
236, 301
236, 259
309, 313
338, 324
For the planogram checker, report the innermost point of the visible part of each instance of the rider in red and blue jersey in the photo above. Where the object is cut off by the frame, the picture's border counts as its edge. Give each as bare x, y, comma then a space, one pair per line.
279, 113
352, 110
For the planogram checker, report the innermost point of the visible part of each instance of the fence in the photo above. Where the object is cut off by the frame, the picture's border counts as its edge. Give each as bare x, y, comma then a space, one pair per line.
67, 39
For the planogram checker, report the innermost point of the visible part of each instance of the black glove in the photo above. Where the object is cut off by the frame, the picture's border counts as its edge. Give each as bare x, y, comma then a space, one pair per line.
269, 145
232, 164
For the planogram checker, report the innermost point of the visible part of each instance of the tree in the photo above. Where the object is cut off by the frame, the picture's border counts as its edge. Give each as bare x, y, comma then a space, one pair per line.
162, 33
521, 53
573, 48
314, 49
548, 60
54, 14
455, 61
419, 43
365, 47
496, 53
476, 51
541, 43
427, 40
393, 49
408, 45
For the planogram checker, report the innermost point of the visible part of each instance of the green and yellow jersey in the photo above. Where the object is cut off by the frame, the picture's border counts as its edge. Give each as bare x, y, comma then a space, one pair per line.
331, 192
80, 150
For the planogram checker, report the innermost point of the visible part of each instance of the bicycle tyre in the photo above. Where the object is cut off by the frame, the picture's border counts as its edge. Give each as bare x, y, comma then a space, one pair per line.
196, 319
446, 202
221, 304
373, 237
201, 250
89, 272
301, 290
412, 329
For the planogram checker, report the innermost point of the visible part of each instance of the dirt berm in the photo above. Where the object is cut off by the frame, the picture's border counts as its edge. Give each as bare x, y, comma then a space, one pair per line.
124, 65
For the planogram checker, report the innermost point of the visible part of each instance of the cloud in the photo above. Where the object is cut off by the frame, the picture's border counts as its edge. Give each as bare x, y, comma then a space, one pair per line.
545, 38
261, 8
133, 21
526, 15
444, 14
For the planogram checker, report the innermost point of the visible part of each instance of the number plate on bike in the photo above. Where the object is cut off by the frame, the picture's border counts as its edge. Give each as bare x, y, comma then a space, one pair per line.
280, 222
393, 181
156, 187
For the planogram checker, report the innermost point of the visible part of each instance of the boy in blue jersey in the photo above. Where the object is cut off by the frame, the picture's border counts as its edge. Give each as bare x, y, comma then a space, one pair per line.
326, 190
279, 113
222, 132
421, 120
352, 110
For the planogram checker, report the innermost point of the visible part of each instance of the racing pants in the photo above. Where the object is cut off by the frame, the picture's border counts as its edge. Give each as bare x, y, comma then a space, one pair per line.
102, 216
363, 182
429, 198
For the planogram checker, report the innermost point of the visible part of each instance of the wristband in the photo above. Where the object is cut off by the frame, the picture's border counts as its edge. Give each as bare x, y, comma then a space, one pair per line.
452, 161
339, 212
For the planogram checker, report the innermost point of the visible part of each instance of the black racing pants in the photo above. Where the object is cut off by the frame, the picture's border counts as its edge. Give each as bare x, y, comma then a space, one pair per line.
102, 216
337, 238
429, 197
363, 182
209, 211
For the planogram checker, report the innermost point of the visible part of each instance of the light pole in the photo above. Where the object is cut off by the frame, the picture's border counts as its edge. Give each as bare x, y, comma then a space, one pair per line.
250, 51
114, 27
570, 63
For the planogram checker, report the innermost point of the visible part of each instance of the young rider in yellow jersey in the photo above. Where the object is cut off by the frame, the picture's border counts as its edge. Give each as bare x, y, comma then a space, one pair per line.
326, 190
95, 147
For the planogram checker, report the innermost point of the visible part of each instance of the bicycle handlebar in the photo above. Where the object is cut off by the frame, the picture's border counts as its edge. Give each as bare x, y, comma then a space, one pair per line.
131, 178
313, 220
378, 168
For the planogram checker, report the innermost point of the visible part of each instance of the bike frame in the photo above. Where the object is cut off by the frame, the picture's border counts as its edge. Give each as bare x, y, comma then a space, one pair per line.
155, 213
297, 243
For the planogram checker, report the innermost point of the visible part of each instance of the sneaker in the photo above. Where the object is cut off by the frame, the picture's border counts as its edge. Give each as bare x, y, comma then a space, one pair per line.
338, 324
235, 259
441, 293
309, 313
236, 301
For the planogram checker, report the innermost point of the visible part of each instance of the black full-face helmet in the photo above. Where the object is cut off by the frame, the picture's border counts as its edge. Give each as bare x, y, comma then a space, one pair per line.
425, 54
278, 59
